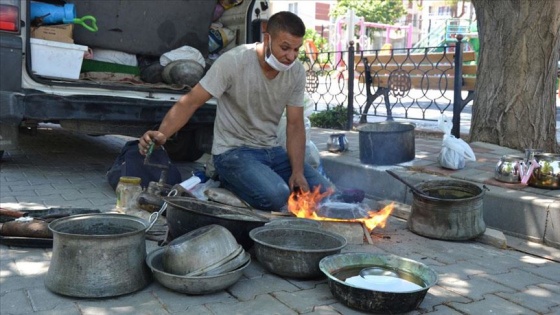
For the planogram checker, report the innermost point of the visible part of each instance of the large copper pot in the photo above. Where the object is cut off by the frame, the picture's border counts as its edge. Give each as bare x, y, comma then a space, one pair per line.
448, 210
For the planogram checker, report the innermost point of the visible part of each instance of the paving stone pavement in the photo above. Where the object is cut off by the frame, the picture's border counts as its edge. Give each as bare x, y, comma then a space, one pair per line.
56, 168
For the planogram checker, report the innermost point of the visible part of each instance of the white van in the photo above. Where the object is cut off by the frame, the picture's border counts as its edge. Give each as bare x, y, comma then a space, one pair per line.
40, 81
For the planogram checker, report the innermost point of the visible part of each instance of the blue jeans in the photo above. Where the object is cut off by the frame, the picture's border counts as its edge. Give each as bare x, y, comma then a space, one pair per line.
260, 176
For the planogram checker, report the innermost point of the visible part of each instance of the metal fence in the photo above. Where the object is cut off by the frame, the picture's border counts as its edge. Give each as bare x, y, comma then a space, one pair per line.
395, 83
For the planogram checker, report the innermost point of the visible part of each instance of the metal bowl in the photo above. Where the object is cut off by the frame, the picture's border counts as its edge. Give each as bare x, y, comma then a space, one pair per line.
339, 267
186, 214
217, 265
199, 249
294, 222
192, 285
294, 252
235, 263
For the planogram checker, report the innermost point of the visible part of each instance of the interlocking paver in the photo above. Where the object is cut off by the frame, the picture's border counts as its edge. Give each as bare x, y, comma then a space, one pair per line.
44, 300
246, 289
467, 269
304, 301
438, 295
261, 304
7, 268
534, 298
15, 303
444, 310
518, 279
550, 271
305, 284
502, 261
254, 270
139, 303
323, 310
475, 288
177, 303
551, 287
492, 305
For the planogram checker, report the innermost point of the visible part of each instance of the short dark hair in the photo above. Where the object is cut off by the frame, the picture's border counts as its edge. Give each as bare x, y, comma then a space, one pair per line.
285, 21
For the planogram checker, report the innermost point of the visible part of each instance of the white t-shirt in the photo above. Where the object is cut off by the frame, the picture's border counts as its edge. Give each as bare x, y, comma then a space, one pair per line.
249, 104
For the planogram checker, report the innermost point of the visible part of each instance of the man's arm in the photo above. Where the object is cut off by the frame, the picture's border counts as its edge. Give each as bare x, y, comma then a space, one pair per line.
295, 145
176, 117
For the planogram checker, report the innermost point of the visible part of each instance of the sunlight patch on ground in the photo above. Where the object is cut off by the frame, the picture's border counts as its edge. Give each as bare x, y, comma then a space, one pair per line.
532, 259
32, 268
538, 292
7, 270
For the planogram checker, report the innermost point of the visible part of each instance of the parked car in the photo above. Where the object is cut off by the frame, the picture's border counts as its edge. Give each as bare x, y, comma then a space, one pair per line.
114, 104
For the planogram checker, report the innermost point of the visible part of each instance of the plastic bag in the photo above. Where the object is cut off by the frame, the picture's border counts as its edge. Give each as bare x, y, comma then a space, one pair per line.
199, 191
454, 152
312, 156
114, 56
182, 53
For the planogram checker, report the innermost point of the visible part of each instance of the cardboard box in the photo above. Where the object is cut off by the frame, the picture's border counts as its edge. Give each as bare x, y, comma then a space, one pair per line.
59, 33
55, 59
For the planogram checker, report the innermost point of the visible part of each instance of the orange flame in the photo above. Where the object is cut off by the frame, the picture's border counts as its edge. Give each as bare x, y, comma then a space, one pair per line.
304, 205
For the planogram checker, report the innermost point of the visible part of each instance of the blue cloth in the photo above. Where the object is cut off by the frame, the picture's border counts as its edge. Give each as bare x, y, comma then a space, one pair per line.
260, 176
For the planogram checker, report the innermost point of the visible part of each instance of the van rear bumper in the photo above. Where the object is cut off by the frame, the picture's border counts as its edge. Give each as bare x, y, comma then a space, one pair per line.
48, 107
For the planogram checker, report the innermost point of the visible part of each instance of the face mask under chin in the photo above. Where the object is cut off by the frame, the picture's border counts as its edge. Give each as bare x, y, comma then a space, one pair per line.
275, 63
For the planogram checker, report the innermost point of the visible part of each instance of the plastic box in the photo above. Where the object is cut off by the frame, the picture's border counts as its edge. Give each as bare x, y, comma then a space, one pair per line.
56, 59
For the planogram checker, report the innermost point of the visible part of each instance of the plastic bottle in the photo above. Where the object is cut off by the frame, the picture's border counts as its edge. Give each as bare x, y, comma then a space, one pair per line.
128, 189
53, 14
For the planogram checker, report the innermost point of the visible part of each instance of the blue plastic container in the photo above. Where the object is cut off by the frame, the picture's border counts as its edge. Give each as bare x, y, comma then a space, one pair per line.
53, 14
201, 175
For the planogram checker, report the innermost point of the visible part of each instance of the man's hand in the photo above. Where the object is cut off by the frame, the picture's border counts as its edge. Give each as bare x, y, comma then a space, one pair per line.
298, 180
151, 136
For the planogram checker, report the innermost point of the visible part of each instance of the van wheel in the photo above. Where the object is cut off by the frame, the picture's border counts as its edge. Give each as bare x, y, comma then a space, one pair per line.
182, 147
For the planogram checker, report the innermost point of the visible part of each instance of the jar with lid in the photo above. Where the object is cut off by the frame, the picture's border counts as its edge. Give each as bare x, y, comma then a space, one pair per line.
128, 189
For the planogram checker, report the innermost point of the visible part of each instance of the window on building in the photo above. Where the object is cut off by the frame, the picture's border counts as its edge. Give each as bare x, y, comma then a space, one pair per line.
293, 7
444, 11
322, 11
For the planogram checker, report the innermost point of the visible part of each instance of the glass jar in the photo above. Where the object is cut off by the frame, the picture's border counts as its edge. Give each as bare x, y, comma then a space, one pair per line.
128, 189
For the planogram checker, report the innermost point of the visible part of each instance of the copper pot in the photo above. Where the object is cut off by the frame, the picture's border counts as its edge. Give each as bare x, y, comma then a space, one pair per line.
447, 210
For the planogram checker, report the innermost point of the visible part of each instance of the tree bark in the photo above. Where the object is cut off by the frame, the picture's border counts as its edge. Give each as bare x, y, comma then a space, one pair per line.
515, 101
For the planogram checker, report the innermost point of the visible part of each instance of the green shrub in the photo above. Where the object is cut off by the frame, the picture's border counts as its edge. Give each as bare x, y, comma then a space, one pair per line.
333, 118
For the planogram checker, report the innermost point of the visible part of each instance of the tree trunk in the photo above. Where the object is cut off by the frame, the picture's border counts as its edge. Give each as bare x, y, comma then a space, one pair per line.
515, 101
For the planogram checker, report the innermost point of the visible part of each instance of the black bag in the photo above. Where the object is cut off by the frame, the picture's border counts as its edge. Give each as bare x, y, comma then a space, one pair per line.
131, 163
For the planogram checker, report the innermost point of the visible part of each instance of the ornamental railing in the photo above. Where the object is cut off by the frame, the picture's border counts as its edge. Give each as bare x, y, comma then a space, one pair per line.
394, 83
